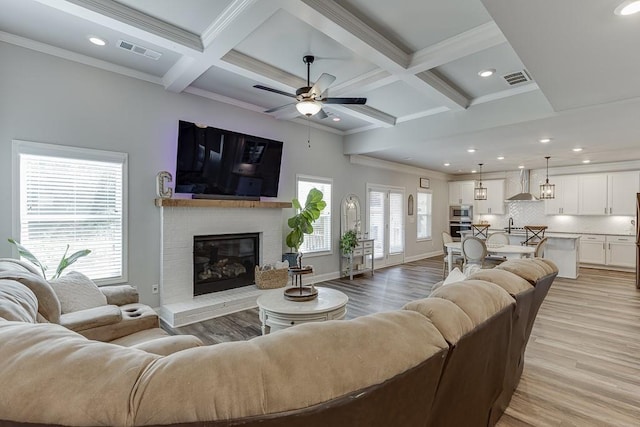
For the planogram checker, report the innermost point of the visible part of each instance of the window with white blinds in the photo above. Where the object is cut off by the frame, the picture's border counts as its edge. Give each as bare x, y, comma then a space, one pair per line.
376, 222
424, 216
320, 240
76, 197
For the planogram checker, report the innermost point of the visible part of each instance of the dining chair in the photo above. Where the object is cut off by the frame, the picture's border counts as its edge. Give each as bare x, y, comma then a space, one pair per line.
496, 239
539, 252
457, 259
474, 251
499, 238
533, 234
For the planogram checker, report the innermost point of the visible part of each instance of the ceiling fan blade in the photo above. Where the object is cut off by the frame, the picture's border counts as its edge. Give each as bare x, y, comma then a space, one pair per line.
321, 114
269, 89
345, 100
282, 107
322, 84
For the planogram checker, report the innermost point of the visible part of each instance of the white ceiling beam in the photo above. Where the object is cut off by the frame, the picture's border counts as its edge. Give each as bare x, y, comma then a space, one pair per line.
472, 41
129, 21
254, 69
366, 113
444, 88
349, 30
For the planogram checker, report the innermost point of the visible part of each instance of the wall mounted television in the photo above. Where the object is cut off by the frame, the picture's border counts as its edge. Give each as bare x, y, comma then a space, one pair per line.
216, 163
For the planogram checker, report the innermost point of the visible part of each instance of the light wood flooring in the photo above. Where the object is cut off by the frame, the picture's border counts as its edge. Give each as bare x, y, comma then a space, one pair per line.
582, 363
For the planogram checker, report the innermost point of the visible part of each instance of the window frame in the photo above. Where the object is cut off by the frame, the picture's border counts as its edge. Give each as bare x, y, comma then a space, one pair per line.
417, 210
20, 147
322, 180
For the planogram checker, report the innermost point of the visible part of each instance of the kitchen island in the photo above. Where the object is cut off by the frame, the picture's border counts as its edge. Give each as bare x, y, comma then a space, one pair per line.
561, 248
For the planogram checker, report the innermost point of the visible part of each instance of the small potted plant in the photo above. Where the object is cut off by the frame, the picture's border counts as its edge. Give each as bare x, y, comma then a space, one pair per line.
348, 241
302, 223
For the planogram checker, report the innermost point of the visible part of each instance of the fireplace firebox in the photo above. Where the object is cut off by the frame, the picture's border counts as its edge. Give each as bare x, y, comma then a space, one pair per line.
224, 261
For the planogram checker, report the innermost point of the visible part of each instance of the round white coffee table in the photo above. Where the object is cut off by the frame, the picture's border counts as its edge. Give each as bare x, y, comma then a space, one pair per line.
278, 313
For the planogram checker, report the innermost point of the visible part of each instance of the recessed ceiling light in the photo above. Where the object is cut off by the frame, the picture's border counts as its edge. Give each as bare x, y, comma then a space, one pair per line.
577, 149
628, 7
521, 167
336, 119
471, 150
447, 164
474, 171
97, 41
407, 158
586, 161
545, 140
500, 157
487, 73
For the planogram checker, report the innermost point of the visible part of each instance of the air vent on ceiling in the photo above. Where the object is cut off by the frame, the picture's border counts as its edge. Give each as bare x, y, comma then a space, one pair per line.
517, 77
137, 49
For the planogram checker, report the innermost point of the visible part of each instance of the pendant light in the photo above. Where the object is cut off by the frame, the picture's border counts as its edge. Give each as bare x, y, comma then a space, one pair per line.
480, 192
547, 191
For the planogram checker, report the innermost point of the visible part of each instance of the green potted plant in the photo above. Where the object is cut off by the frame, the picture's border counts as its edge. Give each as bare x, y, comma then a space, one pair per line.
302, 223
348, 241
65, 262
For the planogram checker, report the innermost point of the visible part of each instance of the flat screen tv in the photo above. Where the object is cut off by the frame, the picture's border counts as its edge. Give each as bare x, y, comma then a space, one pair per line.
217, 163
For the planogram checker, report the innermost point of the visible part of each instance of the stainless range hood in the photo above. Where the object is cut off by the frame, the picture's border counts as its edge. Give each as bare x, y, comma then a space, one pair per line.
524, 195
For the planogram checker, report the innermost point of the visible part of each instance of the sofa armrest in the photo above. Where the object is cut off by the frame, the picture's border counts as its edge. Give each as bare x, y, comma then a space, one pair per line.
91, 318
120, 295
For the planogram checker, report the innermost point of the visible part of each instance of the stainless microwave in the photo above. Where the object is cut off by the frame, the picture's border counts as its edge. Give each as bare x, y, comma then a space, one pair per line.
461, 213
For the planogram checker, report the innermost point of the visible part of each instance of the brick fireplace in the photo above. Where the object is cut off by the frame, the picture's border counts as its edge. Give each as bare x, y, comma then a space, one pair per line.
181, 221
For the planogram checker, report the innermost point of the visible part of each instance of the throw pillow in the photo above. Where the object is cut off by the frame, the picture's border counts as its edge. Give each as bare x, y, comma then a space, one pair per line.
454, 276
77, 292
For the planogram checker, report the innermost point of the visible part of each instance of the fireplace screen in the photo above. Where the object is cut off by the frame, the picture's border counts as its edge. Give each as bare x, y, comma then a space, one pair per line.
224, 262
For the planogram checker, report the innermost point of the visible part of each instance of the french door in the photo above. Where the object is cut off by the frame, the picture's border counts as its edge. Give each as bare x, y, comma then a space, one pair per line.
385, 213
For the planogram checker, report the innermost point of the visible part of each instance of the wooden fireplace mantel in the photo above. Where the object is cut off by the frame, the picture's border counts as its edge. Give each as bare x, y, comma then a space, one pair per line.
208, 203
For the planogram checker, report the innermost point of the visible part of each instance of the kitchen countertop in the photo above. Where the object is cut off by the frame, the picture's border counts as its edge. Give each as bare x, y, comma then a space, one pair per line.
560, 233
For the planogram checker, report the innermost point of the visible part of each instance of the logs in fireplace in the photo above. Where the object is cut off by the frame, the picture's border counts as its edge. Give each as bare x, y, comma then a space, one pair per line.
225, 261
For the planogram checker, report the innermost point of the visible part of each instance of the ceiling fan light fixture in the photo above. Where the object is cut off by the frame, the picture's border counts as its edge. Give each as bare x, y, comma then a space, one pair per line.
628, 7
308, 107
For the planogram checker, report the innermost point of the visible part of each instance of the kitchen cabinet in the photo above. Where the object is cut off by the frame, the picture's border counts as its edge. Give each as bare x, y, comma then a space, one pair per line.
621, 251
566, 200
608, 194
461, 192
592, 249
614, 251
494, 204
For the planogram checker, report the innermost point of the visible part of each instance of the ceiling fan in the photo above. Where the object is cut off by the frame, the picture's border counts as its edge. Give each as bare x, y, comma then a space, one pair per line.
311, 98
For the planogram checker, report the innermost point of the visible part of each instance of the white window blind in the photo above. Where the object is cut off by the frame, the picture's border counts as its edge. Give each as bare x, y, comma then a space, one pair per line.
396, 222
377, 221
424, 215
320, 240
76, 201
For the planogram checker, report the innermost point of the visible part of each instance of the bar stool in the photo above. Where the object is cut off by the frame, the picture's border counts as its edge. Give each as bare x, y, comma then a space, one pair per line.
480, 230
533, 234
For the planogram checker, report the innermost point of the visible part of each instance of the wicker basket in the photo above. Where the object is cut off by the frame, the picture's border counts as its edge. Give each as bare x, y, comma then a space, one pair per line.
271, 279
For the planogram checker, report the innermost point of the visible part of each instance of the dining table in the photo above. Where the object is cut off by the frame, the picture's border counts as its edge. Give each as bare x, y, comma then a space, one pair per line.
508, 251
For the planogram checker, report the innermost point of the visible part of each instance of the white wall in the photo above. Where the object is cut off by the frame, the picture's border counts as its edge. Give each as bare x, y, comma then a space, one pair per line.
52, 100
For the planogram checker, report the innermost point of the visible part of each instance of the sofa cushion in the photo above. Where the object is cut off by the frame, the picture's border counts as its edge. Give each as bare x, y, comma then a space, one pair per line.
54, 376
510, 282
11, 264
454, 276
157, 341
91, 318
478, 299
17, 302
291, 369
77, 292
450, 320
529, 269
48, 304
120, 294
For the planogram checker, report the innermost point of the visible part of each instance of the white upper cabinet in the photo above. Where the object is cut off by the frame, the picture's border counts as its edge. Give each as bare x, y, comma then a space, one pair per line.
461, 192
494, 204
622, 189
566, 201
608, 194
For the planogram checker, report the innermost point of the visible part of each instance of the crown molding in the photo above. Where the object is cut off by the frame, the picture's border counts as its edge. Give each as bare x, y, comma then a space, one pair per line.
358, 159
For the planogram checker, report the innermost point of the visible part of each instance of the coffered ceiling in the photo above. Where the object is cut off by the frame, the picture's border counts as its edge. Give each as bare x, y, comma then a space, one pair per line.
416, 62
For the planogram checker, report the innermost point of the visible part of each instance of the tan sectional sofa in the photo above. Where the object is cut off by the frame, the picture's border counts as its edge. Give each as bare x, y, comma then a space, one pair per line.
453, 359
